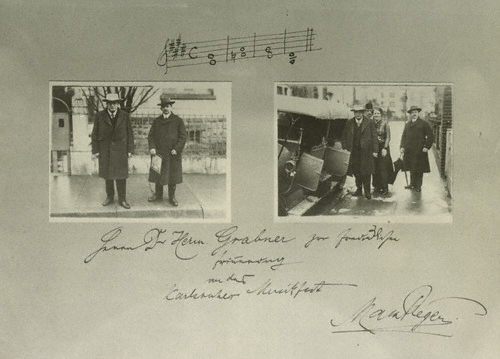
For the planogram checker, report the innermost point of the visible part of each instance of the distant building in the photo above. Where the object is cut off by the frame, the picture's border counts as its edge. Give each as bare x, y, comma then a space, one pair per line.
205, 110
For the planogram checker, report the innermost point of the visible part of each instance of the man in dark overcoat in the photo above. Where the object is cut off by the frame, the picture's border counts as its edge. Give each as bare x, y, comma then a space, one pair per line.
167, 138
360, 138
113, 144
416, 141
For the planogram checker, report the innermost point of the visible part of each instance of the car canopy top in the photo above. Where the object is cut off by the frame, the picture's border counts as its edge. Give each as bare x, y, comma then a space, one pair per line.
320, 109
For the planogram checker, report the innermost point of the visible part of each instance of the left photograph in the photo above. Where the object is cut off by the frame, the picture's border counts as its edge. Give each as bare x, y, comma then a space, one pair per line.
140, 150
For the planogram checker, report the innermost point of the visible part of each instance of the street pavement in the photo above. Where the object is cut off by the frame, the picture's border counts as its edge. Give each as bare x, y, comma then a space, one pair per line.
433, 203
200, 196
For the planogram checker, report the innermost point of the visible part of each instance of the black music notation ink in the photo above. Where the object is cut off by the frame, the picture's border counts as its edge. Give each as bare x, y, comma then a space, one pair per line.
177, 53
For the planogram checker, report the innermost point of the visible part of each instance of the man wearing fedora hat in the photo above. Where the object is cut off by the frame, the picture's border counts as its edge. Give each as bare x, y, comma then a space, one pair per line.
166, 139
113, 144
360, 138
416, 141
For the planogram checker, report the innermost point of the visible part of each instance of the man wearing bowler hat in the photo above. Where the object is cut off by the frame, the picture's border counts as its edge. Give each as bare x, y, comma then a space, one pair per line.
416, 141
360, 138
369, 110
167, 138
113, 144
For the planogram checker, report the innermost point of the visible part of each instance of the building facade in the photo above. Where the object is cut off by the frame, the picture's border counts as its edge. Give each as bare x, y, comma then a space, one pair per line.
205, 109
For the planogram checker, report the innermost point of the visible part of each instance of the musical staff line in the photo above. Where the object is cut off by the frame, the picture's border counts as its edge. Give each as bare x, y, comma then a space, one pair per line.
177, 53
244, 37
280, 39
226, 50
238, 59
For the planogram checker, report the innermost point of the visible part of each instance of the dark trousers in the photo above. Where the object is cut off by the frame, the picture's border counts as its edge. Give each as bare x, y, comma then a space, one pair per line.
159, 190
121, 186
363, 181
416, 179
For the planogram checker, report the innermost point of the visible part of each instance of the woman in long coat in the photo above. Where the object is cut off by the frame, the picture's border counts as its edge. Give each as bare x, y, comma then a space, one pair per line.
383, 163
167, 138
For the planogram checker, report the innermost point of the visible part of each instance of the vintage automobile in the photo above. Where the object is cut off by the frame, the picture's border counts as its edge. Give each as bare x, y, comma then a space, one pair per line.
311, 162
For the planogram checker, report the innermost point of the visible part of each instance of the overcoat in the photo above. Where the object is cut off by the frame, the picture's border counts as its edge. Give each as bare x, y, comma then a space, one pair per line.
164, 136
113, 144
361, 158
416, 136
383, 164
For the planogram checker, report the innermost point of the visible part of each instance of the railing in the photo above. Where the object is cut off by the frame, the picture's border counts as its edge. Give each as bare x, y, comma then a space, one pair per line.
206, 134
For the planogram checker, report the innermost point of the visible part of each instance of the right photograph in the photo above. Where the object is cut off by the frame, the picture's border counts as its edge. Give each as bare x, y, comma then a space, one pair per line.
364, 151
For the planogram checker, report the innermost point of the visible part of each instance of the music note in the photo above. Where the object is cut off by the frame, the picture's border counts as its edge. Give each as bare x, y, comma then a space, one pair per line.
177, 53
269, 52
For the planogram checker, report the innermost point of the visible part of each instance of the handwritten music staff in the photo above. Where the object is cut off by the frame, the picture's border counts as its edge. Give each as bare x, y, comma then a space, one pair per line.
177, 53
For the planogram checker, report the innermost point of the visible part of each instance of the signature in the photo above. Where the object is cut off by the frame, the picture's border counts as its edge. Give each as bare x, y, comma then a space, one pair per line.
226, 237
151, 239
418, 313
374, 234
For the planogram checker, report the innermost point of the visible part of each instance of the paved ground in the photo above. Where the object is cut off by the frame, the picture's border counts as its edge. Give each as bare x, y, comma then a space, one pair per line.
433, 202
200, 196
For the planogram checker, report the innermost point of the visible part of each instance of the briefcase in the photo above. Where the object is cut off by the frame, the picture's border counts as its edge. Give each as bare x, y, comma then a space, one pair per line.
156, 163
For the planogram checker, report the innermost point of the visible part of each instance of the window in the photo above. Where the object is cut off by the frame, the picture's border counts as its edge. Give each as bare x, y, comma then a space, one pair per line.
280, 90
392, 104
61, 122
315, 92
194, 136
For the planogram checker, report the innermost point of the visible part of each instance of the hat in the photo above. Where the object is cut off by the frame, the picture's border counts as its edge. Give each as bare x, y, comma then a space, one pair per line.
413, 108
112, 97
357, 108
165, 100
369, 106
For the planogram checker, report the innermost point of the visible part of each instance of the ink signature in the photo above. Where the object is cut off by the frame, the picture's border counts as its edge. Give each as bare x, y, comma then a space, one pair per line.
418, 314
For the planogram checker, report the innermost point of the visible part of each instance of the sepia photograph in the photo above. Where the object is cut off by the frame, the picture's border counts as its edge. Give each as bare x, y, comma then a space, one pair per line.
356, 150
135, 150
250, 179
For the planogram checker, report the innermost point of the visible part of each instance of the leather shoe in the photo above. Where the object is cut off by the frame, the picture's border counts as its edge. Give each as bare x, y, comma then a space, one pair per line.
173, 202
124, 204
154, 198
409, 186
368, 196
107, 201
418, 189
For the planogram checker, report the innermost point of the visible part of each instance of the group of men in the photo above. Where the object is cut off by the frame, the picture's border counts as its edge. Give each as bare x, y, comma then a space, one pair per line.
360, 138
113, 144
